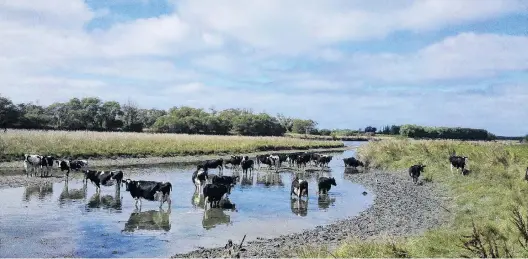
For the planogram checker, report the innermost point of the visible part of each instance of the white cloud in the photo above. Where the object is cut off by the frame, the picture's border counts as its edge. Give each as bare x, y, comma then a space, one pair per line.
294, 26
47, 54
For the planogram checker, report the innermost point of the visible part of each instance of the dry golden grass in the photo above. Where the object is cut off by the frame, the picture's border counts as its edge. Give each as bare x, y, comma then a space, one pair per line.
486, 196
14, 143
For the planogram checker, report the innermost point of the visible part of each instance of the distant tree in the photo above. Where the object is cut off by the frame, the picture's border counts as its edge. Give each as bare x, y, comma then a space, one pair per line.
9, 113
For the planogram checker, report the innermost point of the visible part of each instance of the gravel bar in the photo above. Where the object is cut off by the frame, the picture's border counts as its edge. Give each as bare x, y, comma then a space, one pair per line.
400, 208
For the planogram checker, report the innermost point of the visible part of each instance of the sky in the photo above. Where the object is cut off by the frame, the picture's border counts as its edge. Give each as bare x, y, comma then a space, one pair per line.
342, 63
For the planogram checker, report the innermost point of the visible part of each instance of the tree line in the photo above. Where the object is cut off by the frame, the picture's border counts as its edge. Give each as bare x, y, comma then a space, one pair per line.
92, 113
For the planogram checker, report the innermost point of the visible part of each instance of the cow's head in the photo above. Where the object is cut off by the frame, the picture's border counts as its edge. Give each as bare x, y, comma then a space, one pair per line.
127, 182
421, 167
332, 181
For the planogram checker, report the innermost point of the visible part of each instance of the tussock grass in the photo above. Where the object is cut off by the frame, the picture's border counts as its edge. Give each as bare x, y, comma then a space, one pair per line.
14, 143
487, 197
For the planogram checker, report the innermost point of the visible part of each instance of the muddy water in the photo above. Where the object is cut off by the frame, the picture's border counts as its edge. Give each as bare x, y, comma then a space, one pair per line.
70, 219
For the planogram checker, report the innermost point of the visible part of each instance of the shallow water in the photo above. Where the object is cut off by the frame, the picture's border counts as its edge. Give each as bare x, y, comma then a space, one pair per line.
67, 219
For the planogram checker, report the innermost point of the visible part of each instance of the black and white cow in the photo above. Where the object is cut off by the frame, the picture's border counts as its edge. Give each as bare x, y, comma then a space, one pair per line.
292, 158
459, 162
299, 188
68, 165
247, 164
414, 172
264, 159
303, 159
47, 164
275, 161
213, 164
32, 163
229, 181
282, 158
118, 177
324, 184
213, 194
353, 162
234, 161
199, 177
99, 178
150, 191
323, 160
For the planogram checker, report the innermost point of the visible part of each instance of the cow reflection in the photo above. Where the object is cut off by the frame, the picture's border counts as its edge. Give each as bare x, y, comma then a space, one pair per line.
72, 194
106, 201
213, 217
152, 220
324, 201
198, 200
246, 179
270, 179
40, 191
299, 207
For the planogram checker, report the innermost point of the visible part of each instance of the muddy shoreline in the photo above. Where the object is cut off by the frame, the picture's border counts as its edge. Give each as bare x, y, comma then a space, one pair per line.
400, 208
12, 174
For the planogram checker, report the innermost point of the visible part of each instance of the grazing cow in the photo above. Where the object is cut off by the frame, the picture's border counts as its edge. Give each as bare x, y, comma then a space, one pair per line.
353, 162
234, 161
324, 160
150, 191
228, 181
68, 165
213, 164
213, 193
32, 163
303, 159
199, 177
263, 159
46, 164
99, 178
415, 170
526, 174
247, 164
325, 184
459, 162
299, 188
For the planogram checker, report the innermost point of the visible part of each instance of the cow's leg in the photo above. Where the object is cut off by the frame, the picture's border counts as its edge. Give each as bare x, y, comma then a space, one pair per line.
451, 168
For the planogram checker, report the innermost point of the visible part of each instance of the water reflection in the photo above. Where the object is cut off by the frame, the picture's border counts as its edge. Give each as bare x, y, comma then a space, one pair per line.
324, 201
106, 201
270, 179
213, 217
299, 207
152, 220
246, 179
72, 194
40, 191
198, 200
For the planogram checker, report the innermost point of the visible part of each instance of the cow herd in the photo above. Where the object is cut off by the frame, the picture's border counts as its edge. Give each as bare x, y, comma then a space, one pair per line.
458, 162
215, 189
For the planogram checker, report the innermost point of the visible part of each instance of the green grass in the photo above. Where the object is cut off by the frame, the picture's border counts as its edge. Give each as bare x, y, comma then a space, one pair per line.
486, 197
15, 143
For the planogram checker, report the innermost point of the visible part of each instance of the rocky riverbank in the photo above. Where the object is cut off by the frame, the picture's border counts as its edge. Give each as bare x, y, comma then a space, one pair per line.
400, 208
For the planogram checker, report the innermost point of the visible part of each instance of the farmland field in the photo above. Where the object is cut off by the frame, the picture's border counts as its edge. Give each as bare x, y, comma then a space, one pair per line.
88, 144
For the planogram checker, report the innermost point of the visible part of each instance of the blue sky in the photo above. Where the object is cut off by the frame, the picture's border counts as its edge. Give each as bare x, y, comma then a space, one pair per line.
343, 63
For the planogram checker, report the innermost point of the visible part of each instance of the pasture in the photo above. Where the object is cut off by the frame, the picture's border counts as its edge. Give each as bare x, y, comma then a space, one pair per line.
88, 144
488, 197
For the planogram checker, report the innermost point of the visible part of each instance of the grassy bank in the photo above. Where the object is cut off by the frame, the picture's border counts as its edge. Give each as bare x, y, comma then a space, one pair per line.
359, 137
486, 197
86, 144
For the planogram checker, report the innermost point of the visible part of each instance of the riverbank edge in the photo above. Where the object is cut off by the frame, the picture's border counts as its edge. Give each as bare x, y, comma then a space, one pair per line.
395, 196
12, 174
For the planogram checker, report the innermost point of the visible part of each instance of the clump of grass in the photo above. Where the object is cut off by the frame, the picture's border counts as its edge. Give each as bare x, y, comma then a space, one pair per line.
495, 184
111, 144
